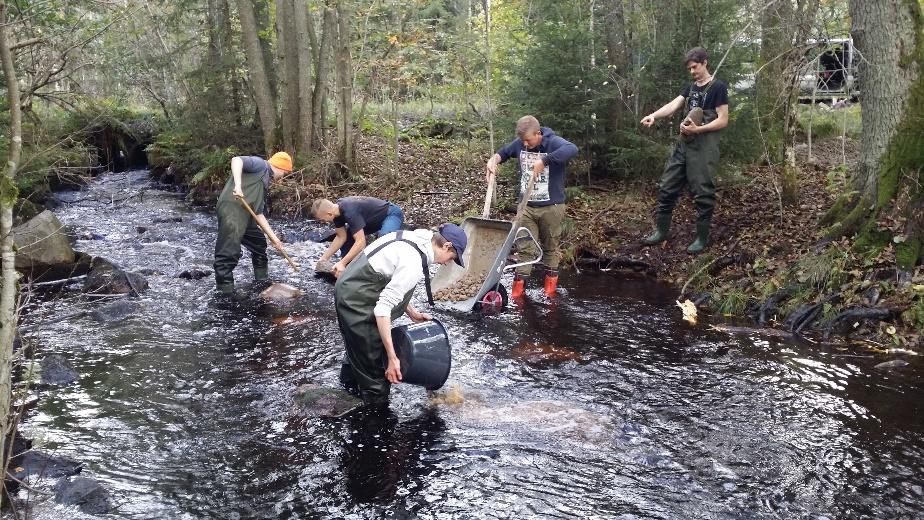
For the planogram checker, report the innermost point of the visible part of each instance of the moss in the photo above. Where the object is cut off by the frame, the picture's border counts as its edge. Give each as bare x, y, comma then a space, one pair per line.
841, 207
907, 253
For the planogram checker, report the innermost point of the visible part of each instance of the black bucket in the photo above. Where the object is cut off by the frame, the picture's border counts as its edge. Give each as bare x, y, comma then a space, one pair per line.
424, 353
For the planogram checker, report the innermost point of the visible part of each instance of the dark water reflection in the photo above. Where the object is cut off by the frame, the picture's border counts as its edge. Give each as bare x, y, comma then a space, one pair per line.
185, 410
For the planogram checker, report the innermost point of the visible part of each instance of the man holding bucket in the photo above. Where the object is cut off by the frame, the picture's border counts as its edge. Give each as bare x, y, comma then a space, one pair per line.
375, 289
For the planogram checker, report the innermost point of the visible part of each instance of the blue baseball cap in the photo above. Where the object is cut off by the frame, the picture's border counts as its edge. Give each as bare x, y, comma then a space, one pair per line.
457, 238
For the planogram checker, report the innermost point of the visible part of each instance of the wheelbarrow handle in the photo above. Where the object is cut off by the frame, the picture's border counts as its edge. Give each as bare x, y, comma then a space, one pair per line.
518, 236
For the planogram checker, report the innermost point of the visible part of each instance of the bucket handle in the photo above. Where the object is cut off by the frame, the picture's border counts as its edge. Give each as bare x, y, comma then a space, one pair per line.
518, 236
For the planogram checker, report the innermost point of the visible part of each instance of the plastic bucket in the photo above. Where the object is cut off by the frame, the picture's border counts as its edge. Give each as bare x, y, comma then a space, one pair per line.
424, 353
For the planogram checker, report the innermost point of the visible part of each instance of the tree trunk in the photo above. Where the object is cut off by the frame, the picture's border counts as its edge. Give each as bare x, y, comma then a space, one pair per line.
8, 275
288, 80
889, 175
305, 130
774, 95
345, 87
259, 82
318, 102
617, 52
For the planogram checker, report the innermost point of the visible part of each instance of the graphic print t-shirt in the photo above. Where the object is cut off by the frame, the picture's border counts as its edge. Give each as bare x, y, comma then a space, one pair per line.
715, 97
541, 188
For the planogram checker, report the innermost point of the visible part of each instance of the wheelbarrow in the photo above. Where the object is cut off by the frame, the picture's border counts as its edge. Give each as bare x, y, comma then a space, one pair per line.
489, 243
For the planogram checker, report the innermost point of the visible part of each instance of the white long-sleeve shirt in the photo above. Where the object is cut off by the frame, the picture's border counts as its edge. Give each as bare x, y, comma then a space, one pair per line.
401, 262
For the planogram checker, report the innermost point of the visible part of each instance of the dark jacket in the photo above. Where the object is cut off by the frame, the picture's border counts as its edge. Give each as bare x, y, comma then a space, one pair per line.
559, 151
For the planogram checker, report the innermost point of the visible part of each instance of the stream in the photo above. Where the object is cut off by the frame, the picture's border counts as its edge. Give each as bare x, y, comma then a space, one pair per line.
599, 403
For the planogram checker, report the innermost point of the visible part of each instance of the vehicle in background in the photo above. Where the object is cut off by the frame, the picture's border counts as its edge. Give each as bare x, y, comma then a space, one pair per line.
830, 71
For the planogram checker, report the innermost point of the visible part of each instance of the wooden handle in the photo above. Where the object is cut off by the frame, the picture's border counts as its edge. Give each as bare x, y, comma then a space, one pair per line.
266, 231
489, 196
529, 191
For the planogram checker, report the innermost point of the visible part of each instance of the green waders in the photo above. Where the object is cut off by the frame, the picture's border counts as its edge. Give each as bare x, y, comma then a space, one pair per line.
690, 164
237, 228
355, 295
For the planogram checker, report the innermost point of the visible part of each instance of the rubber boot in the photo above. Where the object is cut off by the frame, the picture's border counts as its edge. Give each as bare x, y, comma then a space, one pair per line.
662, 226
551, 282
260, 274
519, 285
225, 287
702, 237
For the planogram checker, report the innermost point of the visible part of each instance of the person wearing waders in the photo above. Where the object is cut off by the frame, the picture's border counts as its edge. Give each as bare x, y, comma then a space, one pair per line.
353, 218
542, 154
250, 178
696, 153
375, 289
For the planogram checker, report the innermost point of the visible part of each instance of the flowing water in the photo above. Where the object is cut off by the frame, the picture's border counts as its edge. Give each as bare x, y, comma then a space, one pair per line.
601, 403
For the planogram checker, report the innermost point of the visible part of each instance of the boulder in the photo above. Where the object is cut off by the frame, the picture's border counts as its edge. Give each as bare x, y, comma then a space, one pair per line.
42, 244
43, 465
57, 370
85, 493
109, 279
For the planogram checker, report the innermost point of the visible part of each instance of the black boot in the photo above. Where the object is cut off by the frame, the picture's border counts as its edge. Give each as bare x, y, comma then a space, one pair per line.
663, 225
702, 237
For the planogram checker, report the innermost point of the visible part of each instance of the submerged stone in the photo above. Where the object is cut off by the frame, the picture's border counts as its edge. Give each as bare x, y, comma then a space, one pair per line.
85, 493
895, 363
319, 401
115, 311
280, 291
57, 370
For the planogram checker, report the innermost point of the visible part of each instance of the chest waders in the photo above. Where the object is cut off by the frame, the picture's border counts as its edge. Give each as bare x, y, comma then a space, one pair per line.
356, 293
690, 164
237, 228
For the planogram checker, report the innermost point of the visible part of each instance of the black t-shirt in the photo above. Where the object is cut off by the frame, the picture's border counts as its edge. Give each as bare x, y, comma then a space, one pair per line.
715, 97
361, 213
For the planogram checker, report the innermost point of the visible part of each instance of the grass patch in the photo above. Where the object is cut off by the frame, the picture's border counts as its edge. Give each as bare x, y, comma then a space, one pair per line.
732, 302
827, 122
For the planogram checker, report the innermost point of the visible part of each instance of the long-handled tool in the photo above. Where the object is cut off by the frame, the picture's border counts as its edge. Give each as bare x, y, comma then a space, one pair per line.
492, 301
266, 231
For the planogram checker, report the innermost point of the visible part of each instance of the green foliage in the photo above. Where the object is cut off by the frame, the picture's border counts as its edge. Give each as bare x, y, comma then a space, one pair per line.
732, 302
914, 315
635, 155
214, 169
829, 123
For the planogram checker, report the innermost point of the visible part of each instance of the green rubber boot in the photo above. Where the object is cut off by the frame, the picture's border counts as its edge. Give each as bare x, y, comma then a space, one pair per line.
260, 274
225, 287
702, 237
663, 225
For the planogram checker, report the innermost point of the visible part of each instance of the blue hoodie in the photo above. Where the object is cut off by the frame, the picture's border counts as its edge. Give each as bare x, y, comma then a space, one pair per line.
555, 152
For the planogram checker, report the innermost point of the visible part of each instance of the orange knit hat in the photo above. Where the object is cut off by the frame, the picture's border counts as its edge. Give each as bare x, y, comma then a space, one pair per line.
281, 160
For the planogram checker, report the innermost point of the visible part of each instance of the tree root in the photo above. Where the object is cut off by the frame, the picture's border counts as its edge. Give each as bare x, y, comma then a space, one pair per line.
805, 315
856, 315
616, 262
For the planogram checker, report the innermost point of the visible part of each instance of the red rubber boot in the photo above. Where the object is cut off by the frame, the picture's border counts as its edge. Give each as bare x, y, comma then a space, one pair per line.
551, 283
519, 284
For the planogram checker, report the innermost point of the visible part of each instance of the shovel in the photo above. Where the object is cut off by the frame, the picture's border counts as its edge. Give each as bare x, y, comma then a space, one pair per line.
266, 231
